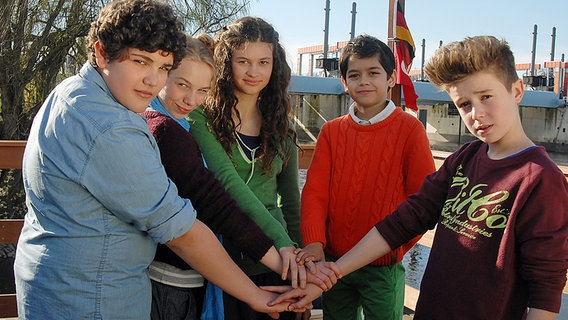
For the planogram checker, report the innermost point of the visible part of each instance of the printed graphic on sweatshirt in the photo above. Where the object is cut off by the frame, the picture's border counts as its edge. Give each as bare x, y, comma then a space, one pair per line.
474, 212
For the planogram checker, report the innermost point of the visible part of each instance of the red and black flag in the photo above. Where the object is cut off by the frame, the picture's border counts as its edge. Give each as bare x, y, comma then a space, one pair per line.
404, 53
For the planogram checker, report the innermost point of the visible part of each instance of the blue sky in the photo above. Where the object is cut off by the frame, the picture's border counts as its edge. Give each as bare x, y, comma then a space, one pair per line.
300, 23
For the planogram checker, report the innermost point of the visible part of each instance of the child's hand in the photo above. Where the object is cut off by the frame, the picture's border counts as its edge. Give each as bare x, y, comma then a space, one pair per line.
326, 275
296, 272
313, 252
303, 297
282, 304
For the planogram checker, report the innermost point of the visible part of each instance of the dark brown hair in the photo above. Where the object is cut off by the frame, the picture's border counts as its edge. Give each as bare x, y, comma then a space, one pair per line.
274, 101
365, 46
148, 25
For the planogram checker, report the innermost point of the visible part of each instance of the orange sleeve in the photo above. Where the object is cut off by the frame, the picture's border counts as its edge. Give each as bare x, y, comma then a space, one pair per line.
315, 195
418, 164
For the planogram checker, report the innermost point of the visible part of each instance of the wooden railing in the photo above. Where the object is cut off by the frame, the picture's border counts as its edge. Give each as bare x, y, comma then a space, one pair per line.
11, 154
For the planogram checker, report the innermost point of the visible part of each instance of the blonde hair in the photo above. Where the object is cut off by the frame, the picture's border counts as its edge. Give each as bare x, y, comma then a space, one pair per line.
200, 48
457, 60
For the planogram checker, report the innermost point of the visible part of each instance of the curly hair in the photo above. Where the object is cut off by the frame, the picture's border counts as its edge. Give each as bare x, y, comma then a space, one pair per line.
365, 46
148, 25
274, 101
457, 60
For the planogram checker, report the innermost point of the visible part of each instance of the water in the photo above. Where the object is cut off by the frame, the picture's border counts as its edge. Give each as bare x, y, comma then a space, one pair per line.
415, 262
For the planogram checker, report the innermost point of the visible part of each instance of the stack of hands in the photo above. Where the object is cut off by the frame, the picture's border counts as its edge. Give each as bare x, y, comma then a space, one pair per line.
310, 276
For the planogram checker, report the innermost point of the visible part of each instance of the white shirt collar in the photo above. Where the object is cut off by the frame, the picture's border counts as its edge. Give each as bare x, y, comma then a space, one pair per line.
387, 111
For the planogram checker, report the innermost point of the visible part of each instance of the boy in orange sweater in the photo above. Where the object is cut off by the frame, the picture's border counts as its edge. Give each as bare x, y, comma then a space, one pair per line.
365, 164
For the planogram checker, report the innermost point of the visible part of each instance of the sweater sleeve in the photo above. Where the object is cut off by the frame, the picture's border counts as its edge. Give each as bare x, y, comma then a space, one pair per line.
418, 160
289, 193
183, 163
220, 163
542, 233
315, 195
421, 211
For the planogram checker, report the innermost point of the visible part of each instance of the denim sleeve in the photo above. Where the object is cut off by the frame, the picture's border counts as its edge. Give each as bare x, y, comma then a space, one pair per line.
124, 172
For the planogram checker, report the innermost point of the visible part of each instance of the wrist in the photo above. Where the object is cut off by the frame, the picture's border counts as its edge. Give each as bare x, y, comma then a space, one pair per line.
287, 249
315, 245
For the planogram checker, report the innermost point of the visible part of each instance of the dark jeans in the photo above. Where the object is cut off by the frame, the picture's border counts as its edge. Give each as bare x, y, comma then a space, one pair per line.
173, 303
238, 310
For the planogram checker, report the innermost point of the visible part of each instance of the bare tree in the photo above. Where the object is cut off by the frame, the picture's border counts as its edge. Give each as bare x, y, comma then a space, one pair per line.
38, 37
208, 16
35, 39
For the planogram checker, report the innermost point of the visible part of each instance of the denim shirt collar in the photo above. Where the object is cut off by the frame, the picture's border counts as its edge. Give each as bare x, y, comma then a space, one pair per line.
90, 73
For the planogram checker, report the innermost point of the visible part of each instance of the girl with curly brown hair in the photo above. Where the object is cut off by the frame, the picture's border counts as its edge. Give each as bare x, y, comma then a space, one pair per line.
246, 137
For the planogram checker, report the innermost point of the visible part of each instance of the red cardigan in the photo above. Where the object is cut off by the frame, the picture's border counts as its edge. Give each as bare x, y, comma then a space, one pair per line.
358, 175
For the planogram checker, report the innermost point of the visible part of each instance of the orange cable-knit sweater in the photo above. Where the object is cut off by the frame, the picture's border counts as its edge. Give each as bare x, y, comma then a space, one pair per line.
358, 175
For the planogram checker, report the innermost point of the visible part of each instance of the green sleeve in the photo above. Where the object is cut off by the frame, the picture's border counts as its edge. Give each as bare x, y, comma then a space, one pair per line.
219, 162
289, 191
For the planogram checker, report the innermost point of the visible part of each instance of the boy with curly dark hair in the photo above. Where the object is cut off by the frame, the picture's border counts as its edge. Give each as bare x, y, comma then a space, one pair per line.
98, 197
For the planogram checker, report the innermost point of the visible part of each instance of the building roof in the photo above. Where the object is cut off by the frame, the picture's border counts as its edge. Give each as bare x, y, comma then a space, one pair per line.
427, 93
316, 85
542, 99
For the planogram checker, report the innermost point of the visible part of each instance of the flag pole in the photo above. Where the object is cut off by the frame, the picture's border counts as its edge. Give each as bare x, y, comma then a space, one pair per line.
395, 92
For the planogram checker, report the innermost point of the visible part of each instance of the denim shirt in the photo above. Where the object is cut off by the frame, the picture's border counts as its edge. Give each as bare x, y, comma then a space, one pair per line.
98, 202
